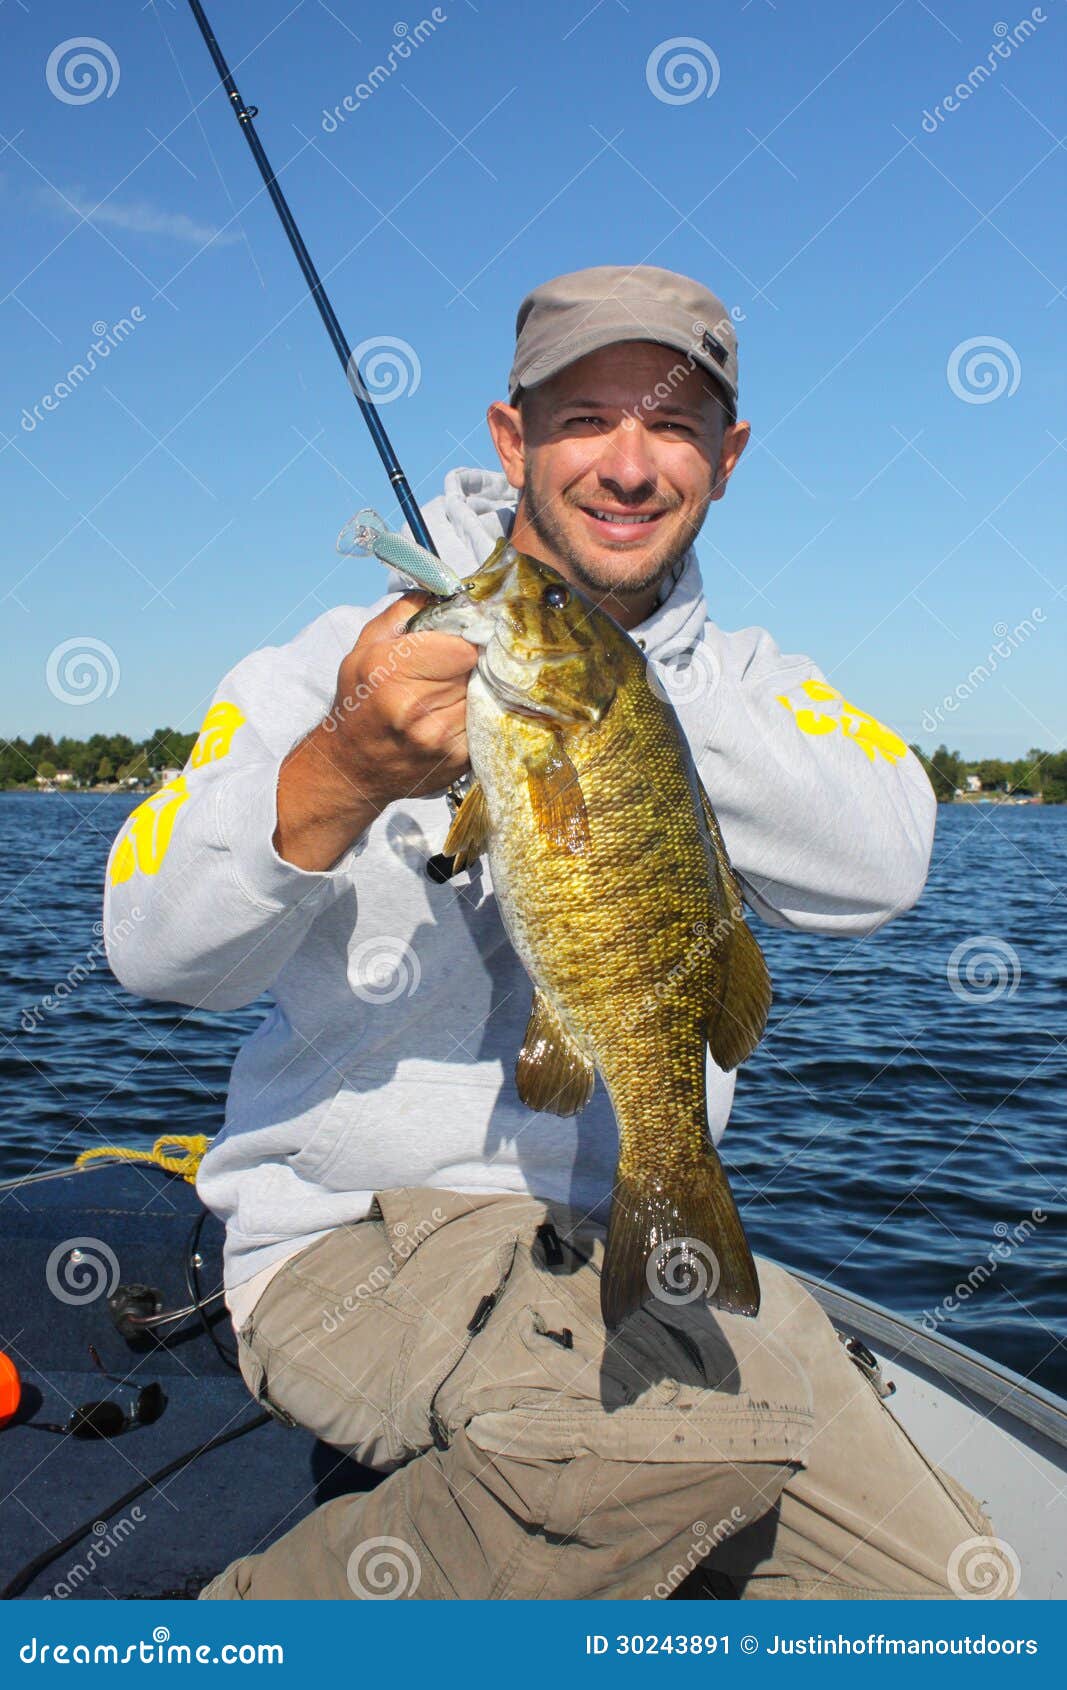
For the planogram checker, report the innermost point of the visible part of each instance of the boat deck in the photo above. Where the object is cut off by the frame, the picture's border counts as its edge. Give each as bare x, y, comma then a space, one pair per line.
1002, 1437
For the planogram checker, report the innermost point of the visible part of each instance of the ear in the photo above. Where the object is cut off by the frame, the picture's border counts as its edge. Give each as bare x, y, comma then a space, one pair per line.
505, 426
734, 440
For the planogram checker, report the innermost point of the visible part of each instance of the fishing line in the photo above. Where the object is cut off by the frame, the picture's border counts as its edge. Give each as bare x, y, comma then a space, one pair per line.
192, 1284
245, 115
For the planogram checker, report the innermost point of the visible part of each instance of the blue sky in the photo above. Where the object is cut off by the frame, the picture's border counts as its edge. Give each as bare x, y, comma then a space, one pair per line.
892, 516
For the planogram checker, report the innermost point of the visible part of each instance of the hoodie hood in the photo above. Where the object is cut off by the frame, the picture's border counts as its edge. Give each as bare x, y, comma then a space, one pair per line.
477, 508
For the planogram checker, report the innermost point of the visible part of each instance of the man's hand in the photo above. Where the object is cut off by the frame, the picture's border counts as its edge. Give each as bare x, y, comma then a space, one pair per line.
397, 730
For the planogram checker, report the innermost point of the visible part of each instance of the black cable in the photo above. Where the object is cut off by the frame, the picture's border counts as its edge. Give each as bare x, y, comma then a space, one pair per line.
192, 1285
28, 1573
151, 1323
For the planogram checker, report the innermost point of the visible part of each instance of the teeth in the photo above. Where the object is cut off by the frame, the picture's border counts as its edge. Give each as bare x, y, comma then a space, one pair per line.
616, 516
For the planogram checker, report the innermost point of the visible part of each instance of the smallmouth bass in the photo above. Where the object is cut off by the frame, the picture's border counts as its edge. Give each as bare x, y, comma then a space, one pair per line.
616, 891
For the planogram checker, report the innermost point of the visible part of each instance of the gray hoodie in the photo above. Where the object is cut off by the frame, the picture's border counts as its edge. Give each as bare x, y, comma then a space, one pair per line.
388, 1056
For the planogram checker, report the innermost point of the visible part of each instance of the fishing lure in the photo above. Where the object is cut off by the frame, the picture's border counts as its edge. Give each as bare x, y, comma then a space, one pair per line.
367, 536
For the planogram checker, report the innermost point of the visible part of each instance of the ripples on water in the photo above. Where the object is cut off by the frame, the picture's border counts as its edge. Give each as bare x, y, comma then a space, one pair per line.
889, 1133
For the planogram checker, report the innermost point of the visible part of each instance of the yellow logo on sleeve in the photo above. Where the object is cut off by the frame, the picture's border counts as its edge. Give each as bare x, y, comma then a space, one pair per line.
216, 735
148, 831
869, 734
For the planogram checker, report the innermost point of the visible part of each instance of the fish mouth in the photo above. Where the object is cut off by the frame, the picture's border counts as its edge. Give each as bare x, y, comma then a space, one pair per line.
457, 614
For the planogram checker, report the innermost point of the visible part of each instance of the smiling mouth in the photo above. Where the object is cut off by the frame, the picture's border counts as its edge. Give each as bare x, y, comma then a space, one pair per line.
625, 518
621, 528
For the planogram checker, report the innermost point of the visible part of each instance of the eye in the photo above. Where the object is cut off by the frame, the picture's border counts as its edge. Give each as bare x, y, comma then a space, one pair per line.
556, 597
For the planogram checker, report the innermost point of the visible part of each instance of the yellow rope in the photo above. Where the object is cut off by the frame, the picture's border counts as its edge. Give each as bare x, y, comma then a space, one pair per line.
175, 1153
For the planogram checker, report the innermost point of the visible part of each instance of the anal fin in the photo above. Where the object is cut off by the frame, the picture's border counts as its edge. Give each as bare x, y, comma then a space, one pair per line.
735, 1026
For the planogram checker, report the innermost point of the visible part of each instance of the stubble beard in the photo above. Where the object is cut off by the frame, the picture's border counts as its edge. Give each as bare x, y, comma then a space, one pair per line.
600, 580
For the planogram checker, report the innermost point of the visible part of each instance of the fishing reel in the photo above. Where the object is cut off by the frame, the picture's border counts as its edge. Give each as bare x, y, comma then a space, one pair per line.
440, 868
137, 1311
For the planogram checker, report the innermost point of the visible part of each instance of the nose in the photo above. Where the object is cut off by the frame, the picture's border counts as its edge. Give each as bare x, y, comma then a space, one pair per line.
625, 464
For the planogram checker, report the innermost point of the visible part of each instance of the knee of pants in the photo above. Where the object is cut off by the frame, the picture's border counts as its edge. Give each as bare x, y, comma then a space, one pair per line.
692, 1506
231, 1585
587, 1527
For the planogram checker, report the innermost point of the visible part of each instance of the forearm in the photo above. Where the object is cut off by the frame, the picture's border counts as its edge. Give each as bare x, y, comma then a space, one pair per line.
209, 917
826, 814
844, 861
325, 801
214, 883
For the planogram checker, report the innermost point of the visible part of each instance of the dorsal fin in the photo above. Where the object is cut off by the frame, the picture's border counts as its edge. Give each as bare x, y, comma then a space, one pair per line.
737, 1020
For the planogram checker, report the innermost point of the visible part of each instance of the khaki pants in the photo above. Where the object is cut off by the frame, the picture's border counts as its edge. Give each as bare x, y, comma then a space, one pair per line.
455, 1343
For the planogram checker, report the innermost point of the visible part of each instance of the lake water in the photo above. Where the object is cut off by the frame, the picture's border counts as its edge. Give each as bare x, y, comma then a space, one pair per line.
899, 1130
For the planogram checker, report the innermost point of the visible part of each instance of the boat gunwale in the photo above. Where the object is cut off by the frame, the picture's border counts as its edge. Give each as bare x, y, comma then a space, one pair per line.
951, 1362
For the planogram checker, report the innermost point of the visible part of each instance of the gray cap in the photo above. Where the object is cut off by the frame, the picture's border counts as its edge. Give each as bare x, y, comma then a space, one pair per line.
573, 315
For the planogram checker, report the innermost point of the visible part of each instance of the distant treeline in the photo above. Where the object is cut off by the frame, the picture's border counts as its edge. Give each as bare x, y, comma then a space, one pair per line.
1040, 774
105, 759
100, 760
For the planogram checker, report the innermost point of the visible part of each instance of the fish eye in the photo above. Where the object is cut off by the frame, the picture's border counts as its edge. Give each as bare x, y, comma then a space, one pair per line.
556, 597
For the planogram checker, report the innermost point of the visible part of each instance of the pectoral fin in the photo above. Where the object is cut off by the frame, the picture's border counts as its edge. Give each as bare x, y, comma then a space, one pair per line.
557, 801
736, 1021
551, 1073
469, 832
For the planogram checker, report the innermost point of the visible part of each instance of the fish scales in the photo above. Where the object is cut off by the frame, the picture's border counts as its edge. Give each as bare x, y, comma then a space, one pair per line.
593, 928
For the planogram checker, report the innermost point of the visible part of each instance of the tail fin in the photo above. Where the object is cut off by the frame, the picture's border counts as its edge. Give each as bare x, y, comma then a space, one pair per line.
674, 1240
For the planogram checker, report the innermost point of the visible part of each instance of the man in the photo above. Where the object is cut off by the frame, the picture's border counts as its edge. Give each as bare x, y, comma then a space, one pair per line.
412, 1256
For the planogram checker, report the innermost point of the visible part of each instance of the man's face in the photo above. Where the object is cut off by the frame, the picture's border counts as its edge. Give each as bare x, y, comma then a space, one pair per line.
618, 457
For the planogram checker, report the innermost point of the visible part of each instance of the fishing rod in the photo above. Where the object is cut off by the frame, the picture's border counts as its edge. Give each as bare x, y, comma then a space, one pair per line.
245, 115
439, 867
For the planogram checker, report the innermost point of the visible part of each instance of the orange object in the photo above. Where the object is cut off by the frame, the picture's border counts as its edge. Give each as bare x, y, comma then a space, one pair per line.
10, 1389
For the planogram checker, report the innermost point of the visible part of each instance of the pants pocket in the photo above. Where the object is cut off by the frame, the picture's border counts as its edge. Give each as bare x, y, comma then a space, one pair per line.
324, 1348
253, 1367
353, 1338
697, 1388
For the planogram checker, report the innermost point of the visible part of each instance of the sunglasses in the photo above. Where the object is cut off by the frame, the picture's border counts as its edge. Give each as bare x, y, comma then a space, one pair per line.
108, 1419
